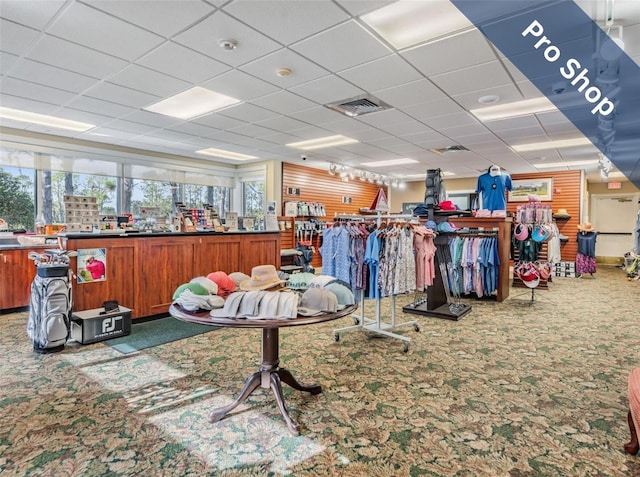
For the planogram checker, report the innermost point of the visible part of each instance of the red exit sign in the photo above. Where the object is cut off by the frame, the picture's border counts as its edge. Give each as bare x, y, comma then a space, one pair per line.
614, 185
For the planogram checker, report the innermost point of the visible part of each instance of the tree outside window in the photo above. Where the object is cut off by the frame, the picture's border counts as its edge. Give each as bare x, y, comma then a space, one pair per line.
253, 200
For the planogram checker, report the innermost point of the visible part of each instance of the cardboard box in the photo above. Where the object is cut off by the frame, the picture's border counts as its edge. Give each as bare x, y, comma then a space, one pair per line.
90, 326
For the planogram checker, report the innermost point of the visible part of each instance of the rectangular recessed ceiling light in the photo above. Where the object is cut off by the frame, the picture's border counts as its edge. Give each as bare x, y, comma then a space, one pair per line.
323, 142
513, 110
550, 165
192, 103
225, 154
539, 146
390, 162
408, 22
44, 120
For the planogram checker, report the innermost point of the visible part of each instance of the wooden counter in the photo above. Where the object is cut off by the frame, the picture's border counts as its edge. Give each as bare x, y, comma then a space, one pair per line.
143, 270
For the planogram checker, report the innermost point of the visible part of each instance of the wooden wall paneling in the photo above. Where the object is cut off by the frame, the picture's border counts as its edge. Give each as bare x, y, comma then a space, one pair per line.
217, 253
17, 271
164, 263
316, 185
121, 274
260, 250
566, 195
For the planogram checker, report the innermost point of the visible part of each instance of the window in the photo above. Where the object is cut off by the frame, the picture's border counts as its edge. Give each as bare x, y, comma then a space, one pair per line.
17, 192
253, 199
195, 196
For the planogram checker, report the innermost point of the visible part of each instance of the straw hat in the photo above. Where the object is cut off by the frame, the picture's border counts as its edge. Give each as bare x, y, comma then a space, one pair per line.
561, 214
263, 277
586, 227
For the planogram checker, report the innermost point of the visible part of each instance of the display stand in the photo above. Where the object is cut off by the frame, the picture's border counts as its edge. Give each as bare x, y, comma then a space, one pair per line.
376, 325
439, 302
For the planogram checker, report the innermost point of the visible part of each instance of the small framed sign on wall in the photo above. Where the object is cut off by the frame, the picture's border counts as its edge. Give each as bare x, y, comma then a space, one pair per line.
521, 189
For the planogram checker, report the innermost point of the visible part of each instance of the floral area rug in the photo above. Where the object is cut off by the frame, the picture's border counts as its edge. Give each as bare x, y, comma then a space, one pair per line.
513, 389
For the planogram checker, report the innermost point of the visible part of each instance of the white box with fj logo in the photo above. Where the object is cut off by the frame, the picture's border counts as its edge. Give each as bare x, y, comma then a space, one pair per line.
90, 326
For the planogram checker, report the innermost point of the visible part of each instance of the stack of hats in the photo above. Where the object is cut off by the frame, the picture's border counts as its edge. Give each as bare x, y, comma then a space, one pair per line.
225, 284
300, 281
198, 294
263, 277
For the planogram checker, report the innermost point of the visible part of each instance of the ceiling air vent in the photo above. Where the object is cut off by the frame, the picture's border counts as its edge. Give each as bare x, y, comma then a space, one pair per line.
359, 105
449, 149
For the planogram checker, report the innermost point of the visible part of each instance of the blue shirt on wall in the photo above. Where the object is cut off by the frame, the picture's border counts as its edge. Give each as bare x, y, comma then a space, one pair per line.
493, 189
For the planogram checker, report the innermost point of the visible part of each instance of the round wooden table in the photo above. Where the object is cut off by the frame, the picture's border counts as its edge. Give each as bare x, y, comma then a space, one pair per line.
270, 374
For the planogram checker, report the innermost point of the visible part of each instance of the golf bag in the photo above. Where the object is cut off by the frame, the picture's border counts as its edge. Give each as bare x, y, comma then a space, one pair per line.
304, 260
49, 322
435, 191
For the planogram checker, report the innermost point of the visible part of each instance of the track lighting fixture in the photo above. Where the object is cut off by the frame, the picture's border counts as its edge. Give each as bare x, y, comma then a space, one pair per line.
347, 173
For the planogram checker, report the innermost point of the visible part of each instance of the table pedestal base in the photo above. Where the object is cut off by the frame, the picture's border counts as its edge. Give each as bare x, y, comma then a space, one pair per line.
270, 375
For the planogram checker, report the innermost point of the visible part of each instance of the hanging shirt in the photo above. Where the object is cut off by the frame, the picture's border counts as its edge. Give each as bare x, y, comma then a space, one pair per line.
493, 190
587, 243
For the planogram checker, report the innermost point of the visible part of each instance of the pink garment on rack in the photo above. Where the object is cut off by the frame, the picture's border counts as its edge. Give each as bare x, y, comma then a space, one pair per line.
429, 261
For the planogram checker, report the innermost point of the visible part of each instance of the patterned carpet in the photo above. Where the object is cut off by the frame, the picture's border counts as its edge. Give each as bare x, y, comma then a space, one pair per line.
513, 389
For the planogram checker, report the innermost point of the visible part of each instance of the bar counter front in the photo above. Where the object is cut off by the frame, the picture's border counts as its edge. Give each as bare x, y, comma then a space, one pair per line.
144, 269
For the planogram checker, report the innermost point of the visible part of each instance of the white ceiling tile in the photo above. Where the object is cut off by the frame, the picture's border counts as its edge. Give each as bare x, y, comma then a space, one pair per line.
507, 93
67, 55
381, 74
302, 70
16, 39
282, 124
282, 139
193, 129
346, 126
87, 26
98, 106
328, 89
26, 104
513, 123
433, 109
311, 132
204, 38
150, 81
172, 135
105, 133
529, 90
463, 131
240, 85
253, 130
564, 128
287, 22
151, 119
342, 47
530, 134
180, 62
429, 136
473, 140
35, 14
393, 122
474, 78
372, 135
114, 93
410, 93
358, 7
131, 126
7, 60
248, 112
552, 117
217, 121
471, 48
284, 102
165, 18
451, 120
37, 92
51, 76
318, 115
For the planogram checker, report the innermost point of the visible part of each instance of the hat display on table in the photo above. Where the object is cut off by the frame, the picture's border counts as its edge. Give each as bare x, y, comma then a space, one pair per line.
320, 281
521, 232
586, 227
343, 294
210, 285
262, 277
238, 278
562, 214
300, 281
194, 287
316, 301
225, 284
446, 227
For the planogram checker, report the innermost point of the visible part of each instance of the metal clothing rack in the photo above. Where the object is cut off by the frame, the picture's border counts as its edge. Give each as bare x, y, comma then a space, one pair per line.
376, 325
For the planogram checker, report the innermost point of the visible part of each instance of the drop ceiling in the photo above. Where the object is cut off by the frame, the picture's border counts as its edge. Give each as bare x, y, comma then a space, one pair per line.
102, 62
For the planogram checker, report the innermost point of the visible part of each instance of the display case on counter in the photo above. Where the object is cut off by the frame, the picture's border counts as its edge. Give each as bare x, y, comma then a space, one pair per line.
143, 270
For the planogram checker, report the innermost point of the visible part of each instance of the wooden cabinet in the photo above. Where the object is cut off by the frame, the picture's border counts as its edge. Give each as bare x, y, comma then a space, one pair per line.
16, 274
143, 271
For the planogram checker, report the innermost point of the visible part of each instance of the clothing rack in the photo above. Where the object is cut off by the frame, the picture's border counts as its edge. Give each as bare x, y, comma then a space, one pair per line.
376, 325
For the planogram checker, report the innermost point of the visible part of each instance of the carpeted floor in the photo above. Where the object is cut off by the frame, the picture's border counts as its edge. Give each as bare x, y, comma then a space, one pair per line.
510, 390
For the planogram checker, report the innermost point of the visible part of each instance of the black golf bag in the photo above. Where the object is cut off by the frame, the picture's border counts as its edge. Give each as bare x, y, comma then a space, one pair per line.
304, 260
435, 191
49, 322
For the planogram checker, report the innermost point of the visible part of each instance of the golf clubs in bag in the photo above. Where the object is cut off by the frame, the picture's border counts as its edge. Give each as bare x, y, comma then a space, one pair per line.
49, 322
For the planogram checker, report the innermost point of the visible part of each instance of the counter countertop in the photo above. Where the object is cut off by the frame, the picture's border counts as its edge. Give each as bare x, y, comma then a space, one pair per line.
90, 235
